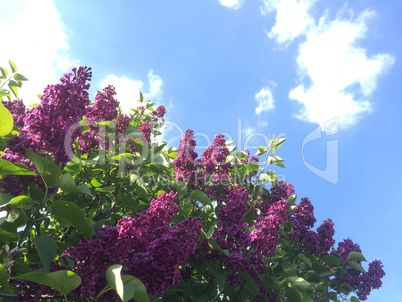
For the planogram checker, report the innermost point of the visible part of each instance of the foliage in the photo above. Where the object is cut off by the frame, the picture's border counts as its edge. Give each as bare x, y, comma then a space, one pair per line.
95, 207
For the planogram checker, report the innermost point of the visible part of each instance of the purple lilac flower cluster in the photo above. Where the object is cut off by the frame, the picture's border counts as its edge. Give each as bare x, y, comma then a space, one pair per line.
148, 246
266, 235
279, 192
231, 234
17, 109
363, 283
184, 163
318, 243
62, 105
103, 109
211, 166
213, 160
146, 128
43, 129
159, 112
11, 185
105, 106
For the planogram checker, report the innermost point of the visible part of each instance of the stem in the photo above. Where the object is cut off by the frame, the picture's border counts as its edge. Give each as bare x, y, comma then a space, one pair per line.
5, 81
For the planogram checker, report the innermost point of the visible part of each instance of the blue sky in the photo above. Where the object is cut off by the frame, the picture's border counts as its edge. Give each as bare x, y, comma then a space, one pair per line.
324, 74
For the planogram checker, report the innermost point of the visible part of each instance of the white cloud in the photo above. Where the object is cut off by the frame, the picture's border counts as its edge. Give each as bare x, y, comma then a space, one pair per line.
292, 18
33, 37
265, 100
341, 75
128, 90
155, 86
233, 4
336, 75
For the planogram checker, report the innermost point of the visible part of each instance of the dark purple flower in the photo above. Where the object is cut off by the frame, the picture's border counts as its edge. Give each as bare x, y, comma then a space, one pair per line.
105, 106
47, 125
214, 158
160, 111
266, 235
146, 128
184, 163
148, 247
17, 109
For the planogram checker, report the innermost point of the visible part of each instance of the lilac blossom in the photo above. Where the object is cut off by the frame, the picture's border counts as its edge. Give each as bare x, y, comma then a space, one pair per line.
184, 163
266, 235
17, 110
148, 246
62, 105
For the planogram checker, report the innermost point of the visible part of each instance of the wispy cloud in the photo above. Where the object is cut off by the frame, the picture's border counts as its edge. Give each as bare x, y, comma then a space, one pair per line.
34, 37
292, 18
155, 86
336, 75
265, 100
128, 90
233, 4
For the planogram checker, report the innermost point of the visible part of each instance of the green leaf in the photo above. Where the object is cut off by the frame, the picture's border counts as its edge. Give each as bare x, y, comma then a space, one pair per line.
292, 199
108, 189
298, 282
5, 199
8, 168
67, 184
268, 176
64, 281
332, 261
305, 260
13, 66
242, 155
140, 291
85, 189
186, 209
7, 236
180, 186
200, 196
49, 171
13, 85
356, 266
275, 143
132, 132
220, 278
209, 234
19, 77
4, 92
212, 243
356, 256
21, 201
158, 147
7, 122
127, 286
354, 299
250, 284
73, 215
4, 73
139, 146
293, 294
261, 150
13, 215
4, 279
46, 248
276, 160
114, 281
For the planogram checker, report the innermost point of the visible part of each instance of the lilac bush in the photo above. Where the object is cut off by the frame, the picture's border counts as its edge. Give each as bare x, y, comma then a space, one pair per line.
95, 208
